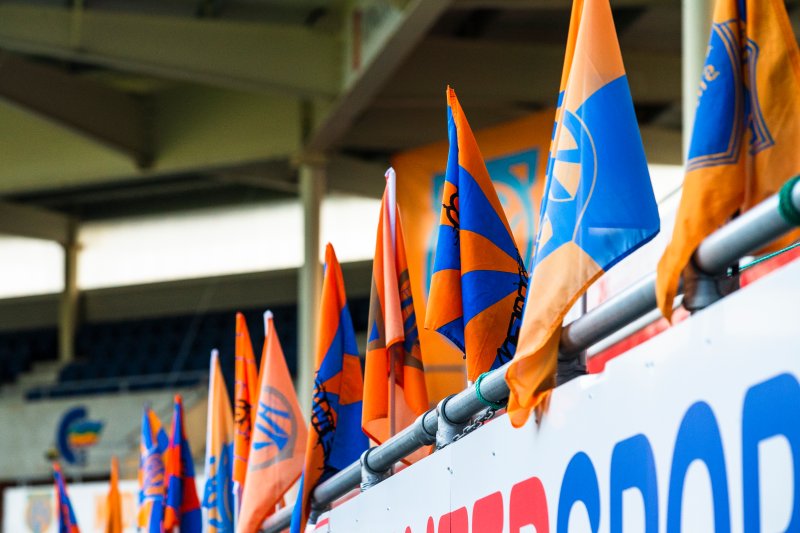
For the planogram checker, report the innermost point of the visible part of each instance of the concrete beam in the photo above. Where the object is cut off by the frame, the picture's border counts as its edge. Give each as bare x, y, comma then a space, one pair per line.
375, 52
94, 110
504, 72
232, 54
35, 223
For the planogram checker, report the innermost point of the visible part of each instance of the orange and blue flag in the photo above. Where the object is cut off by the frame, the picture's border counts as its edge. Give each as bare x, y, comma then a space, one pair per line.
183, 506
67, 523
335, 439
218, 491
598, 203
245, 398
479, 279
394, 377
277, 450
746, 132
114, 500
152, 488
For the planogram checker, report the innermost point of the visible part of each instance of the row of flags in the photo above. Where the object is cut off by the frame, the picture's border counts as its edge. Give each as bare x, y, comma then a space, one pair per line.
598, 207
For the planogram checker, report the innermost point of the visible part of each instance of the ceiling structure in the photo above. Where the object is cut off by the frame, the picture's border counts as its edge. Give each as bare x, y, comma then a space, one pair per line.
115, 107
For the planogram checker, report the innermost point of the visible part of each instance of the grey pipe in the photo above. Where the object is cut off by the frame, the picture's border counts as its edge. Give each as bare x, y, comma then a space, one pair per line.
747, 233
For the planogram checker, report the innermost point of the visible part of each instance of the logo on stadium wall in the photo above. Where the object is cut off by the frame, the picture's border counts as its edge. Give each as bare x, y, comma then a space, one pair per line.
728, 101
75, 434
275, 430
39, 513
513, 177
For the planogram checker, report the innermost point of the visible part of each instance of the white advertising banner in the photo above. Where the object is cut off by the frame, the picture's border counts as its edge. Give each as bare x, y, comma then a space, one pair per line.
696, 430
33, 510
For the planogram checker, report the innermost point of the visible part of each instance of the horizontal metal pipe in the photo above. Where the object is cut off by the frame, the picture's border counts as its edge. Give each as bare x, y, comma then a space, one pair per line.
754, 229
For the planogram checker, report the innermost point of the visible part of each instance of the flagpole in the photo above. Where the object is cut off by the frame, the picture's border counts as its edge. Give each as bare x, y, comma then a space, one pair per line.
392, 393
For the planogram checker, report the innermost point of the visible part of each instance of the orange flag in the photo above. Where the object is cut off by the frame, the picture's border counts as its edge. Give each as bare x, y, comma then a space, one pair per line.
746, 130
277, 450
394, 377
598, 202
113, 500
245, 397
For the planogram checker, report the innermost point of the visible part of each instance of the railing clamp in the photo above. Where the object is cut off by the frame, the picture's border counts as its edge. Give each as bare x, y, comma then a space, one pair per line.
702, 289
446, 429
370, 477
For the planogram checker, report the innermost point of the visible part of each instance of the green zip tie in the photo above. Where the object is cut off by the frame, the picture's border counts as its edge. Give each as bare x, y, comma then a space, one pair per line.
786, 206
488, 403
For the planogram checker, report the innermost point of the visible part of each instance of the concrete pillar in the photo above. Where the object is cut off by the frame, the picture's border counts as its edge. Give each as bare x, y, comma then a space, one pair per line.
312, 190
68, 306
695, 27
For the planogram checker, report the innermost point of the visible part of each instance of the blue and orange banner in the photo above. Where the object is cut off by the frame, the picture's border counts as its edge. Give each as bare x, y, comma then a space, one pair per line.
395, 393
746, 132
277, 450
152, 488
67, 523
182, 505
479, 280
245, 400
515, 154
598, 203
218, 491
335, 439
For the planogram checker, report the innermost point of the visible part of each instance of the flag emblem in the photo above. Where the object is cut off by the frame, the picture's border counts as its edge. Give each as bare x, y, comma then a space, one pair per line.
275, 430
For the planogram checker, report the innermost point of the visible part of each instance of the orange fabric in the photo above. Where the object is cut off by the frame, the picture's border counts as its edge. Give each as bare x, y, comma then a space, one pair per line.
277, 450
764, 142
113, 500
246, 397
519, 148
393, 335
584, 199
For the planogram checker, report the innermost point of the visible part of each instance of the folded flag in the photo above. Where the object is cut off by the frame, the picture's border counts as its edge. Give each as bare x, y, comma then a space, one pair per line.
218, 491
114, 500
277, 449
151, 474
394, 376
245, 398
598, 203
183, 506
746, 132
67, 523
335, 439
479, 279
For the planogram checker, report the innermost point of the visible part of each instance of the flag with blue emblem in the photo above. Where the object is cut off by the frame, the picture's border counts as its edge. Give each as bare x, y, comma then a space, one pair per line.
394, 376
598, 203
479, 279
746, 130
67, 523
153, 446
277, 449
183, 506
218, 491
335, 439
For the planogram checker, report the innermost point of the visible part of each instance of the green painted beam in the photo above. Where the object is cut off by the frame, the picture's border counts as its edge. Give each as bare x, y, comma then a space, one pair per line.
101, 113
232, 54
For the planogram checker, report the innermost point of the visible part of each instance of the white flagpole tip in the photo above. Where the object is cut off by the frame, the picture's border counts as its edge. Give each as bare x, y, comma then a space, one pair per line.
214, 353
267, 318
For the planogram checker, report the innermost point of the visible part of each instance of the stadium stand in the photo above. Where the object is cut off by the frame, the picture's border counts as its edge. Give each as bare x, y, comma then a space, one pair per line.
148, 354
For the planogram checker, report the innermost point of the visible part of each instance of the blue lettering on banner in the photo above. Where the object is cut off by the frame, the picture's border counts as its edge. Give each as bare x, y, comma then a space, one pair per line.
579, 485
633, 467
699, 440
770, 410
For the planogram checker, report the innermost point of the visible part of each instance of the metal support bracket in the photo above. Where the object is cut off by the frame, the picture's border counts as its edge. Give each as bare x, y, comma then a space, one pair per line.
447, 429
702, 289
370, 477
569, 369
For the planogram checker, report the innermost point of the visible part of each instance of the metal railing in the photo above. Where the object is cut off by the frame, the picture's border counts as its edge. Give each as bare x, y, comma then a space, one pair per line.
742, 236
119, 384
